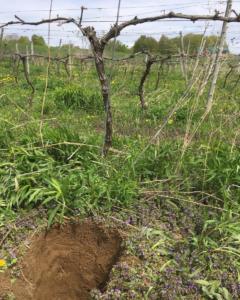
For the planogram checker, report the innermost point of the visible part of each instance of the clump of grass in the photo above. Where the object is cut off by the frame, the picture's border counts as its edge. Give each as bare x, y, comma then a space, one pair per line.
76, 97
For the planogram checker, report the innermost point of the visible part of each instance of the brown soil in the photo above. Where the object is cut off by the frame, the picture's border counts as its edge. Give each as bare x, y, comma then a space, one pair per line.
66, 263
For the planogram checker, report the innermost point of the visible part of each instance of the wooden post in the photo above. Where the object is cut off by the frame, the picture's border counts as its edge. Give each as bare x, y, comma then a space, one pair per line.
160, 69
188, 63
32, 51
218, 57
58, 56
16, 62
24, 60
70, 61
1, 42
132, 71
17, 48
183, 57
27, 60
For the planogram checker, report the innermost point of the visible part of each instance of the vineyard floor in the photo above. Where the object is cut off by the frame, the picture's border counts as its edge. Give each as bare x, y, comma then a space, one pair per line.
157, 218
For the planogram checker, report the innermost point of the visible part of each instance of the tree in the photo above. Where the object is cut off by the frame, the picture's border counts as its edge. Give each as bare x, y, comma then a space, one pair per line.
167, 46
145, 43
38, 40
23, 40
192, 43
118, 46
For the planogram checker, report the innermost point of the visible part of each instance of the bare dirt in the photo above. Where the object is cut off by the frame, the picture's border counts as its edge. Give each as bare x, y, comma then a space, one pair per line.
65, 263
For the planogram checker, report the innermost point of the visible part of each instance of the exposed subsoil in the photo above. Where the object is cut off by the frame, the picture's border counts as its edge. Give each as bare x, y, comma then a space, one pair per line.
66, 263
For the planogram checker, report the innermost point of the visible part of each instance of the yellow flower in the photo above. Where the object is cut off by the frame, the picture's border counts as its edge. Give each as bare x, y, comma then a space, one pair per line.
6, 79
3, 263
170, 121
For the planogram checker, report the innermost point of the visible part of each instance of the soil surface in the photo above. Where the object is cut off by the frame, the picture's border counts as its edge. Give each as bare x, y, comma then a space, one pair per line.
65, 263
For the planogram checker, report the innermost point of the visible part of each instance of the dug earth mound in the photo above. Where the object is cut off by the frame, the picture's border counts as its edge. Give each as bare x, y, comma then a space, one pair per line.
65, 263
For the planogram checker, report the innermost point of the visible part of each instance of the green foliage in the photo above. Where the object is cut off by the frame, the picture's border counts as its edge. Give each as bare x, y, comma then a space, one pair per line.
219, 166
78, 98
213, 290
24, 40
145, 43
192, 44
118, 46
215, 168
84, 184
167, 46
38, 40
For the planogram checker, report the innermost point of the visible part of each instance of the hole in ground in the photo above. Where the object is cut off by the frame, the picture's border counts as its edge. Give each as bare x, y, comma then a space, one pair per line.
68, 262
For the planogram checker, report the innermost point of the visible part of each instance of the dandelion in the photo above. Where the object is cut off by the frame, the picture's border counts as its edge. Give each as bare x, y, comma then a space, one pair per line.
3, 263
6, 79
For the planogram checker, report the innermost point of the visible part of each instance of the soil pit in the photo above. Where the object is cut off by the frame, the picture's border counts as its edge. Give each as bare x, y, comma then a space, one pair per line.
67, 262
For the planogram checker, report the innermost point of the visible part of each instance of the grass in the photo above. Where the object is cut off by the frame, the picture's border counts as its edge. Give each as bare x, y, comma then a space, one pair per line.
190, 196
